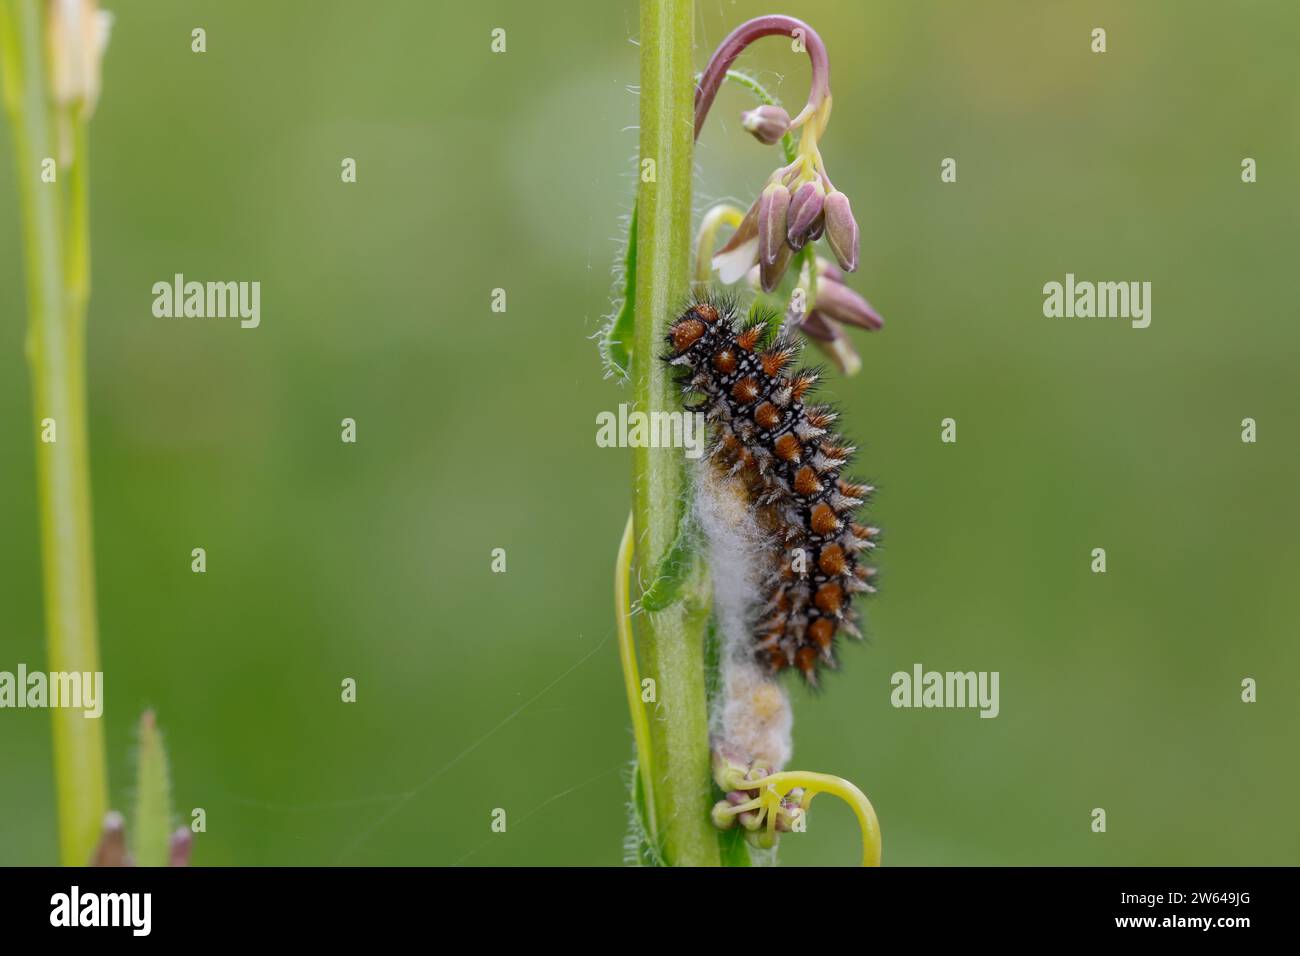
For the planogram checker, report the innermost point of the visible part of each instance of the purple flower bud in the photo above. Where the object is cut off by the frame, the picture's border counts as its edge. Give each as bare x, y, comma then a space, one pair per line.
831, 340
837, 301
805, 208
773, 205
842, 230
112, 842
769, 276
766, 123
179, 847
817, 327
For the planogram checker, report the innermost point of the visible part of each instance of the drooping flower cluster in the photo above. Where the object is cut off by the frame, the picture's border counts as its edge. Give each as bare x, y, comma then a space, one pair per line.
798, 203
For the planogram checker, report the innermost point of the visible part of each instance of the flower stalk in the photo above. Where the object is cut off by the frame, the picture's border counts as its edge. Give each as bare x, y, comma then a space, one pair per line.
49, 133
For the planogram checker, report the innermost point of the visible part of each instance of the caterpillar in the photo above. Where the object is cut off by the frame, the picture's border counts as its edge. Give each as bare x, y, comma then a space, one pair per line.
787, 462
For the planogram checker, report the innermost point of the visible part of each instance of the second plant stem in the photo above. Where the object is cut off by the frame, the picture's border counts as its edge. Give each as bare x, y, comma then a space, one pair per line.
55, 242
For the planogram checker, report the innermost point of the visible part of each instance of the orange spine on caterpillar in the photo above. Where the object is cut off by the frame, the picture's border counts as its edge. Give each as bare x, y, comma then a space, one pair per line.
788, 462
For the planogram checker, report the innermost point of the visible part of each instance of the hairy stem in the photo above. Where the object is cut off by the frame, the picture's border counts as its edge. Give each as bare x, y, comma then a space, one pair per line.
672, 640
55, 243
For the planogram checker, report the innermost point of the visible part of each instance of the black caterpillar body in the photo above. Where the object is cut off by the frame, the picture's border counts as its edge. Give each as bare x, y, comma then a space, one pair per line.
790, 462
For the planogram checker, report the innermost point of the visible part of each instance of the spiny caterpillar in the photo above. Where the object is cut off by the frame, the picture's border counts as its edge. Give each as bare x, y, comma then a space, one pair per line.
788, 464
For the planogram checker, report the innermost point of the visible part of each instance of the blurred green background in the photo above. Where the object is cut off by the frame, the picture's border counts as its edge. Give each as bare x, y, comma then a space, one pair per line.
476, 430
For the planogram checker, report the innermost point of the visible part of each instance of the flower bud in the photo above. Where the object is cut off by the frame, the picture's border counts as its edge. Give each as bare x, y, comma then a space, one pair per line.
840, 303
77, 35
728, 771
179, 847
805, 208
766, 123
817, 327
111, 850
786, 815
773, 205
722, 816
842, 230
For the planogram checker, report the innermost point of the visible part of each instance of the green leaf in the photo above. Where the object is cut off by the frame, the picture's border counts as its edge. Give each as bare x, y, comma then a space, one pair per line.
644, 851
151, 832
672, 571
618, 334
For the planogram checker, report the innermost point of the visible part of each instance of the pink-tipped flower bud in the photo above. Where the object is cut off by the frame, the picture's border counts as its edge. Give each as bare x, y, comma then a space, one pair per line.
111, 850
179, 847
837, 301
766, 123
817, 327
773, 205
805, 209
842, 230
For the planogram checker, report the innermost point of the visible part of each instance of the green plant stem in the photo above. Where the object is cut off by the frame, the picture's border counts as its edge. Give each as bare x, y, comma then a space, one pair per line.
671, 640
55, 241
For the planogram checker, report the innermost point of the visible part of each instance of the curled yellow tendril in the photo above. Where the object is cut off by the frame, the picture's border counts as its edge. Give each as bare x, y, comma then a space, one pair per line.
774, 787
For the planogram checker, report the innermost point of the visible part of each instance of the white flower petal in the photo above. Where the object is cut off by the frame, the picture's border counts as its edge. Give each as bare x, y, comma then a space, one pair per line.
732, 265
